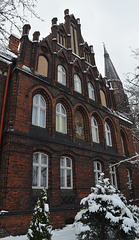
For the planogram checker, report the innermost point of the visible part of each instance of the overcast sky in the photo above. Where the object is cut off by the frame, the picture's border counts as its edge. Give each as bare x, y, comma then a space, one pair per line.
114, 22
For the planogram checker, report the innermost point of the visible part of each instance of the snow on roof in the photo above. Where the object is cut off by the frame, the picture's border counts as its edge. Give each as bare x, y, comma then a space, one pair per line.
6, 54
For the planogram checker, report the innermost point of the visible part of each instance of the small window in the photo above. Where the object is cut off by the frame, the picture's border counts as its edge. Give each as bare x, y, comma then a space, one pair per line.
66, 173
61, 119
108, 134
77, 83
39, 111
40, 170
129, 179
95, 131
91, 91
42, 66
113, 177
97, 171
103, 98
61, 75
74, 41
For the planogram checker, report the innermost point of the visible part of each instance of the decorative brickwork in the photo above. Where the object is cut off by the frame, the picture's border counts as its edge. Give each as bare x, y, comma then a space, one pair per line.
21, 138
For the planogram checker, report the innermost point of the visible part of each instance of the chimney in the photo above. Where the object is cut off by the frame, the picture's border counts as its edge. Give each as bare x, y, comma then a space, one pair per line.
54, 21
36, 36
13, 44
26, 29
66, 12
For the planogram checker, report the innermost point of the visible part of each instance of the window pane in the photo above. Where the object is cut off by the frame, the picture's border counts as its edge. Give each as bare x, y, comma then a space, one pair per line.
68, 178
42, 118
57, 123
35, 158
43, 158
62, 178
62, 161
36, 99
42, 101
35, 176
63, 111
34, 116
63, 124
58, 107
68, 162
43, 176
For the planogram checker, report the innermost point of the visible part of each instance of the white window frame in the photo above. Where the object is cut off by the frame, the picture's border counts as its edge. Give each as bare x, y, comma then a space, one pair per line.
40, 165
59, 117
95, 130
97, 171
91, 91
64, 168
113, 177
37, 120
77, 83
61, 75
108, 135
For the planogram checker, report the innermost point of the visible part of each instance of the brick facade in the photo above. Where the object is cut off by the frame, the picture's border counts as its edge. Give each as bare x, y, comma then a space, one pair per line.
21, 138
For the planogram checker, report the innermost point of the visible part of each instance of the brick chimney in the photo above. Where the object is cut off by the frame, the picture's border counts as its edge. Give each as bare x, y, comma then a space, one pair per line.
13, 44
36, 36
26, 29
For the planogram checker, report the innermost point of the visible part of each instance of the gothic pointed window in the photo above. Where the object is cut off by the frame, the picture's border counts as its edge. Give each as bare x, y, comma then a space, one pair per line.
95, 130
42, 66
91, 91
40, 170
97, 171
61, 74
61, 118
66, 173
103, 98
77, 83
108, 134
39, 111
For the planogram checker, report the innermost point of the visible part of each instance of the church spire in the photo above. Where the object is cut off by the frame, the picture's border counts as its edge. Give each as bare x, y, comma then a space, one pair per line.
110, 72
119, 97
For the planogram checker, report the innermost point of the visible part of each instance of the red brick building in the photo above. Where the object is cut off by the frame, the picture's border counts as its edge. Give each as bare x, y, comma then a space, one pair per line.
60, 126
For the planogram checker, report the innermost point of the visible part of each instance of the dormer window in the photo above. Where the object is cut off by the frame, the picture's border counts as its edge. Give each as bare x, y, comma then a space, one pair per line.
74, 42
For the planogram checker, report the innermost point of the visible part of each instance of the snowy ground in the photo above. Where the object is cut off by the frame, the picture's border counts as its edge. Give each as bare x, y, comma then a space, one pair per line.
65, 233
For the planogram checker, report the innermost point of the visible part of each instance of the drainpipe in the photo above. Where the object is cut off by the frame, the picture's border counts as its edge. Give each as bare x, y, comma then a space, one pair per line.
4, 105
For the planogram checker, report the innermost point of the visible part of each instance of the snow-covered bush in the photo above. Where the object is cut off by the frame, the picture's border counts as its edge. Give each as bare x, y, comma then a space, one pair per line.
105, 215
39, 227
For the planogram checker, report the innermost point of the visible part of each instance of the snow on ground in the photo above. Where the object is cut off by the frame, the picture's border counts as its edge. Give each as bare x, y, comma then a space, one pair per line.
62, 234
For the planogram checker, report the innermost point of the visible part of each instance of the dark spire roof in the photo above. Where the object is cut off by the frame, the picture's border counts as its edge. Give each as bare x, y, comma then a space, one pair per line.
110, 71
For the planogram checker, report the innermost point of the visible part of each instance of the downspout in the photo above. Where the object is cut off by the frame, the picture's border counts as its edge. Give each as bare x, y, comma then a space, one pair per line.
4, 105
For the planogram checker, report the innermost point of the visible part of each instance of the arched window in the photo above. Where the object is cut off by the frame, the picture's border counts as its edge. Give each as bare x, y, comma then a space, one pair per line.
61, 75
42, 66
40, 170
113, 177
77, 83
108, 134
66, 173
97, 171
103, 98
95, 131
61, 118
91, 91
39, 111
124, 144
